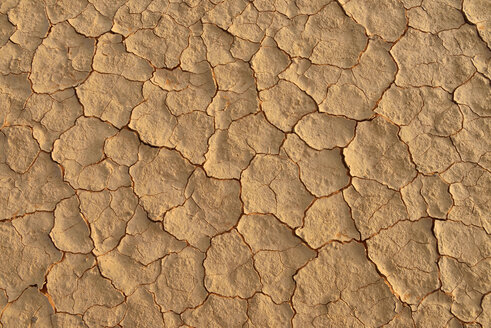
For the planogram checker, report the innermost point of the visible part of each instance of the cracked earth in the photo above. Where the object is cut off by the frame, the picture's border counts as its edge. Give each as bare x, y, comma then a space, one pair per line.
233, 163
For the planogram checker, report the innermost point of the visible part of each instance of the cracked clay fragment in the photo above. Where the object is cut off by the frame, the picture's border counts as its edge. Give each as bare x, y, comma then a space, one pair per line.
161, 194
385, 159
407, 242
63, 60
342, 272
271, 184
326, 220
230, 268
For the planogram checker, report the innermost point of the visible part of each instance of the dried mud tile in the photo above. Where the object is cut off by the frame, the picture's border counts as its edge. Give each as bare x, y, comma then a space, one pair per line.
271, 184
29, 17
21, 150
191, 135
6, 30
400, 105
323, 172
475, 93
14, 91
478, 13
14, 59
70, 232
40, 188
383, 18
436, 15
467, 244
193, 58
470, 189
152, 119
309, 163
383, 158
103, 175
357, 91
109, 97
267, 63
80, 150
471, 141
312, 129
265, 232
228, 106
373, 206
484, 318
112, 57
76, 285
146, 241
291, 8
218, 311
427, 134
172, 320
263, 312
427, 196
243, 49
466, 41
158, 195
338, 314
107, 7
277, 268
212, 206
133, 16
236, 77
60, 320
224, 12
126, 273
306, 76
51, 115
161, 46
27, 252
218, 45
107, 214
91, 22
100, 316
402, 319
230, 151
229, 267
285, 104
324, 37
245, 25
83, 143
187, 91
326, 220
179, 285
142, 311
467, 285
423, 60
63, 60
59, 11
436, 195
3, 299
122, 148
434, 310
186, 13
342, 272
31, 309
406, 254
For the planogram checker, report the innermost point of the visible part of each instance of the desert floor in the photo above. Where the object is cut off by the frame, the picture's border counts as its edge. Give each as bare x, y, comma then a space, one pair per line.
245, 163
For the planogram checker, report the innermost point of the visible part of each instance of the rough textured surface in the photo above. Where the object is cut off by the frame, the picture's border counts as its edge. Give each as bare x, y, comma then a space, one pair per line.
245, 163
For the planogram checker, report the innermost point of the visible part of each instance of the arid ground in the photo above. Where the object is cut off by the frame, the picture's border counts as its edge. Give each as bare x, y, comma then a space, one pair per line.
245, 163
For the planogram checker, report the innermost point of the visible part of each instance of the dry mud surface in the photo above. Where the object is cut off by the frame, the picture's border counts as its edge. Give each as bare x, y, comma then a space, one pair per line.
233, 163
